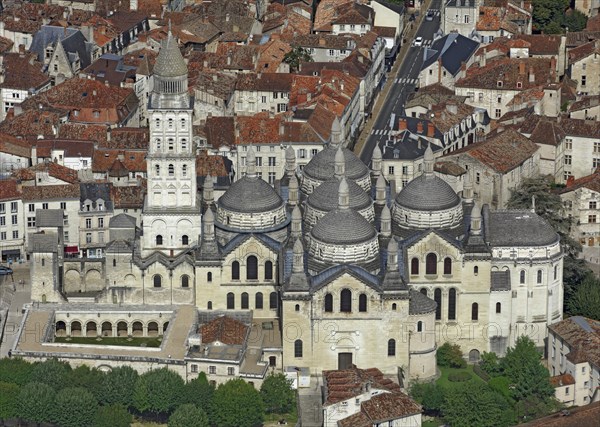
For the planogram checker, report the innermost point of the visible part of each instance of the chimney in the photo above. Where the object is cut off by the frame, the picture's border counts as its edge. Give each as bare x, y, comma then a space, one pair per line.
420, 127
531, 75
227, 17
205, 64
402, 124
281, 129
522, 68
430, 130
215, 78
452, 108
94, 92
321, 41
483, 59
553, 63
228, 59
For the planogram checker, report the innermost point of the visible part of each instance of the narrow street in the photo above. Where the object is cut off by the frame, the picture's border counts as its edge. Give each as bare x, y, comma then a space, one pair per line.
404, 83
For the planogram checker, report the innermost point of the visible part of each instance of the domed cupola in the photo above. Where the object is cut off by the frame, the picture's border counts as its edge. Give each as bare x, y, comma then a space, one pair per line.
343, 236
427, 201
321, 166
251, 204
324, 198
170, 77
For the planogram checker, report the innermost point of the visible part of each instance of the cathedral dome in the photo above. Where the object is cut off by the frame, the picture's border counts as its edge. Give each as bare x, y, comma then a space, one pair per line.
343, 227
170, 62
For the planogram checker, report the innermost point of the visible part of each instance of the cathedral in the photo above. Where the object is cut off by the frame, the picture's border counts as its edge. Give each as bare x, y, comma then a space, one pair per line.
352, 273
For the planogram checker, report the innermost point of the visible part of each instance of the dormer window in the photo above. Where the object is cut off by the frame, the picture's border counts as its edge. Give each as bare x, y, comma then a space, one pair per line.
96, 114
519, 85
76, 113
499, 84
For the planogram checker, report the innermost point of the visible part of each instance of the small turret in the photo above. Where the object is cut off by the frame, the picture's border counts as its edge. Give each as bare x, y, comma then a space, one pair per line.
336, 133
380, 193
298, 264
428, 161
468, 189
392, 255
296, 222
293, 191
209, 225
386, 222
344, 195
251, 163
376, 161
208, 190
290, 161
339, 163
475, 220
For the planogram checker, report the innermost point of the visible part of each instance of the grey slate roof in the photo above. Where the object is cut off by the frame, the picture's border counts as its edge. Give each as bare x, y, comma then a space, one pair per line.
408, 146
461, 3
398, 8
420, 304
250, 195
343, 227
519, 228
453, 49
500, 280
94, 191
49, 218
321, 166
327, 276
43, 242
122, 221
325, 196
427, 193
72, 40
169, 62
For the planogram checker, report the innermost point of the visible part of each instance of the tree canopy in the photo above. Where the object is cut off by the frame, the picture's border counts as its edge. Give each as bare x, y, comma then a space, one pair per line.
35, 403
158, 391
15, 370
277, 394
112, 416
199, 392
53, 373
450, 355
188, 415
553, 16
295, 57
476, 404
9, 394
585, 299
236, 404
117, 386
74, 407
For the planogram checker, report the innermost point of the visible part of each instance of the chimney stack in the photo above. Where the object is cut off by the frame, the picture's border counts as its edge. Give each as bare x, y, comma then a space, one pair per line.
430, 130
531, 75
420, 127
522, 68
402, 124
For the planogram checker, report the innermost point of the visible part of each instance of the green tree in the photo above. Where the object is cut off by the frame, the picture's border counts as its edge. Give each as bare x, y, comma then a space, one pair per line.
547, 14
112, 416
236, 404
430, 395
585, 300
199, 392
450, 355
117, 386
525, 372
476, 404
490, 364
158, 391
52, 372
9, 394
35, 403
188, 415
15, 370
574, 20
89, 378
501, 385
74, 407
277, 394
295, 57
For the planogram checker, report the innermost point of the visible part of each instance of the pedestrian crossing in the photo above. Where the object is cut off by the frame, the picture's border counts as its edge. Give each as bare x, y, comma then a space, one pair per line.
406, 81
436, 12
380, 132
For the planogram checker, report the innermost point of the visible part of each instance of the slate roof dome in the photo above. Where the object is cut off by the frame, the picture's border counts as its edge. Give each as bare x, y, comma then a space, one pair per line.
169, 62
321, 166
324, 198
250, 195
427, 193
343, 227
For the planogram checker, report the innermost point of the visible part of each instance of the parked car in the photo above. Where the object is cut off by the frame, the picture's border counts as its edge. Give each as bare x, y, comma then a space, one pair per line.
418, 41
5, 270
429, 16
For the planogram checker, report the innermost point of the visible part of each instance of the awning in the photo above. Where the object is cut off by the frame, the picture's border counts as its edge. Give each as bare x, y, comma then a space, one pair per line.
11, 252
71, 250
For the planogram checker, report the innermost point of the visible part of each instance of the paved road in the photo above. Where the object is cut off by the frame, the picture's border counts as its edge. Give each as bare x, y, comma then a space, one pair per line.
20, 296
404, 84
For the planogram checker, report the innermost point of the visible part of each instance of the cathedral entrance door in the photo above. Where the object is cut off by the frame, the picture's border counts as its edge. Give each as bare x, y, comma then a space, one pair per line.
344, 360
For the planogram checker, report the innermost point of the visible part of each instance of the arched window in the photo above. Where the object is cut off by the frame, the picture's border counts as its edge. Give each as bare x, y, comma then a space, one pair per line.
394, 306
447, 265
474, 311
185, 240
431, 264
245, 304
522, 277
419, 326
209, 276
209, 305
273, 301
498, 308
298, 348
183, 123
235, 270
423, 291
158, 144
230, 301
157, 170
251, 268
171, 170
114, 262
452, 304
539, 276
297, 308
437, 297
268, 270
258, 301
414, 266
184, 170
185, 281
346, 301
159, 240
170, 123
362, 303
475, 270
391, 347
328, 303
157, 279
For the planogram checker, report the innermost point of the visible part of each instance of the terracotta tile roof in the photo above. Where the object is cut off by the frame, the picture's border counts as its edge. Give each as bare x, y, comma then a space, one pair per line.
152, 8
271, 82
54, 170
357, 420
210, 165
130, 197
303, 88
225, 330
449, 168
324, 41
350, 65
353, 16
124, 20
580, 127
257, 129
502, 152
509, 71
296, 25
541, 44
389, 406
387, 32
271, 55
591, 182
142, 59
593, 23
104, 30
580, 52
327, 11
527, 98
83, 131
547, 133
23, 72
320, 120
222, 85
583, 337
50, 192
347, 383
585, 103
577, 38
5, 44
489, 18
562, 380
32, 123
583, 416
9, 189
15, 146
220, 132
29, 17
104, 159
449, 113
72, 148
127, 139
